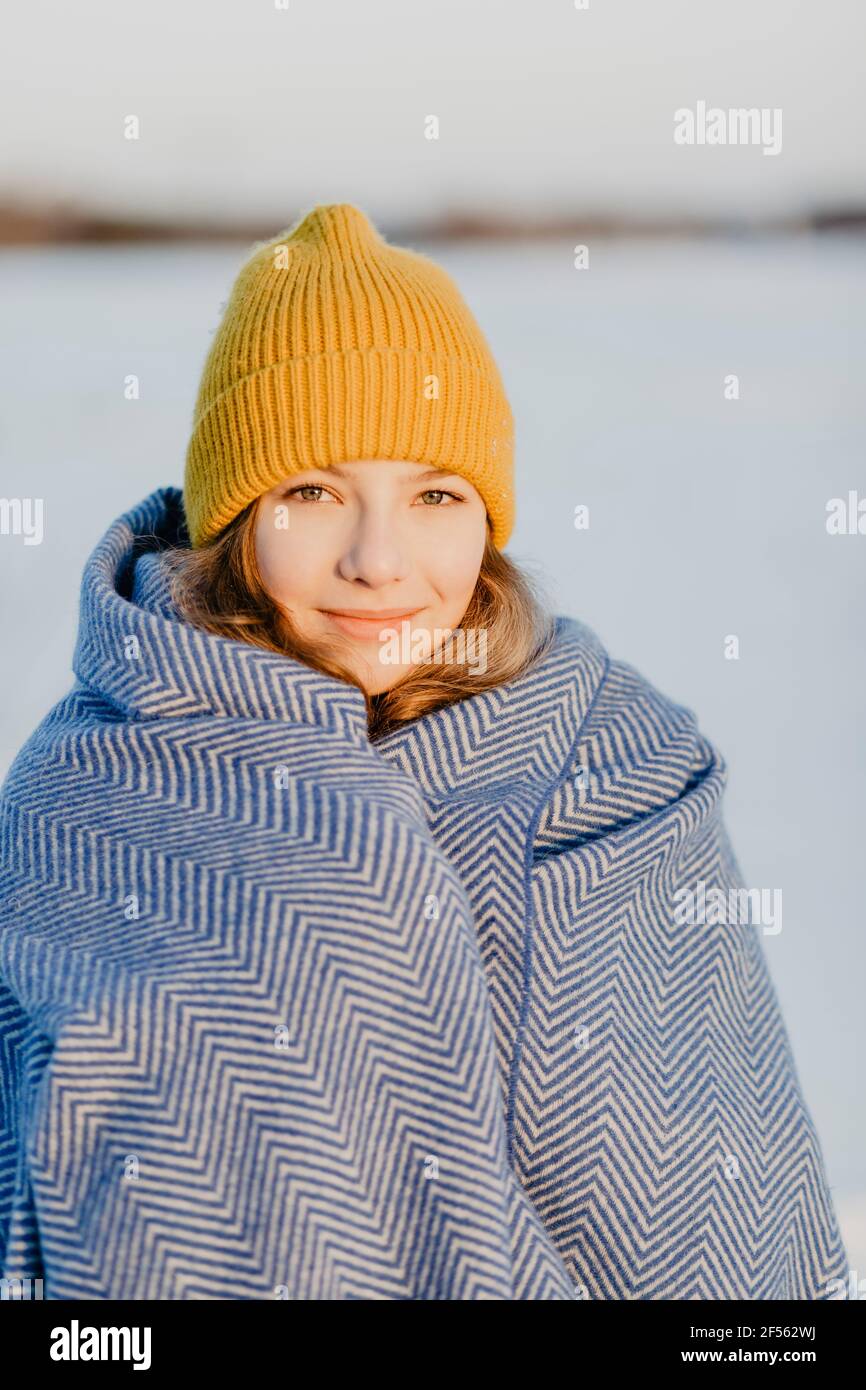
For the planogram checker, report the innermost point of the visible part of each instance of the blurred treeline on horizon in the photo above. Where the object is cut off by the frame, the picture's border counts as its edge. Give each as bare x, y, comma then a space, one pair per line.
26, 222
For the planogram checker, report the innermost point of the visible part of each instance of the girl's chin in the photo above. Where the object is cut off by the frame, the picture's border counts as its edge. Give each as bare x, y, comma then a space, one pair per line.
372, 675
375, 682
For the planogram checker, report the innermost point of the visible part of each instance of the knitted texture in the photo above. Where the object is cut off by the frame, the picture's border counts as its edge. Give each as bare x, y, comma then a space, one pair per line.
284, 1013
337, 346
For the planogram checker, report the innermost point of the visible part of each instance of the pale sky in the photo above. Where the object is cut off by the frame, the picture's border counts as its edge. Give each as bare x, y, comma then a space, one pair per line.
249, 110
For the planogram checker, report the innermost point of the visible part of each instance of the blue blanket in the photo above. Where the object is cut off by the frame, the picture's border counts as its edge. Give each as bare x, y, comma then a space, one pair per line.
287, 1014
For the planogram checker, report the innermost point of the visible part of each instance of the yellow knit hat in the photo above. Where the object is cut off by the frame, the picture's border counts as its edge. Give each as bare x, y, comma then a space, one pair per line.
336, 346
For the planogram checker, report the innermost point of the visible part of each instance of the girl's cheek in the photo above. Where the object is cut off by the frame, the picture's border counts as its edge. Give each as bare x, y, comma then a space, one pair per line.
273, 552
454, 571
289, 563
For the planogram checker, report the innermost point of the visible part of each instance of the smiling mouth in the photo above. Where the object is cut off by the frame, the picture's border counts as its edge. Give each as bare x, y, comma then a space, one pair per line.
359, 622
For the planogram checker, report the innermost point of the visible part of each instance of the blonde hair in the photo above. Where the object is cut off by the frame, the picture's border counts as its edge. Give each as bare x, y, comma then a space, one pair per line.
218, 587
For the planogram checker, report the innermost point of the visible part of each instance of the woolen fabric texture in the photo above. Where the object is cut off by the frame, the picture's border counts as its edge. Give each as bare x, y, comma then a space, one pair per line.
337, 346
287, 1013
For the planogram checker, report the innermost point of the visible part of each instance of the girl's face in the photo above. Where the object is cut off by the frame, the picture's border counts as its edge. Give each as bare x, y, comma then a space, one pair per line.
371, 546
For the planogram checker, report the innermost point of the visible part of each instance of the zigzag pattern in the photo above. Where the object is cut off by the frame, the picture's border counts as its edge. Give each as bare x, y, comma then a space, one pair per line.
653, 1106
284, 1014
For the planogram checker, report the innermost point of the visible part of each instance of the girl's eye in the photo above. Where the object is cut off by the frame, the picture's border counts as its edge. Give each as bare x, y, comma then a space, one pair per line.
306, 488
438, 493
316, 492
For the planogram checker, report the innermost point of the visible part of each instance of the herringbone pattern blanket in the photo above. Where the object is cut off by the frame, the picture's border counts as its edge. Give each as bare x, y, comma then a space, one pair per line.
287, 1014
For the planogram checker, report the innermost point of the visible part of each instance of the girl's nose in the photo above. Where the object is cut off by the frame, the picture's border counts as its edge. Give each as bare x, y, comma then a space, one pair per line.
374, 555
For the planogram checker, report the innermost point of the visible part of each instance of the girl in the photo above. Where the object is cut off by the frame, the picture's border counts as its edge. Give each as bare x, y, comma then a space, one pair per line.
343, 951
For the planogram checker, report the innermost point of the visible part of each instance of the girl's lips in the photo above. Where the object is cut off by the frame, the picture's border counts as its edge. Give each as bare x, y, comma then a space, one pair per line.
368, 629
